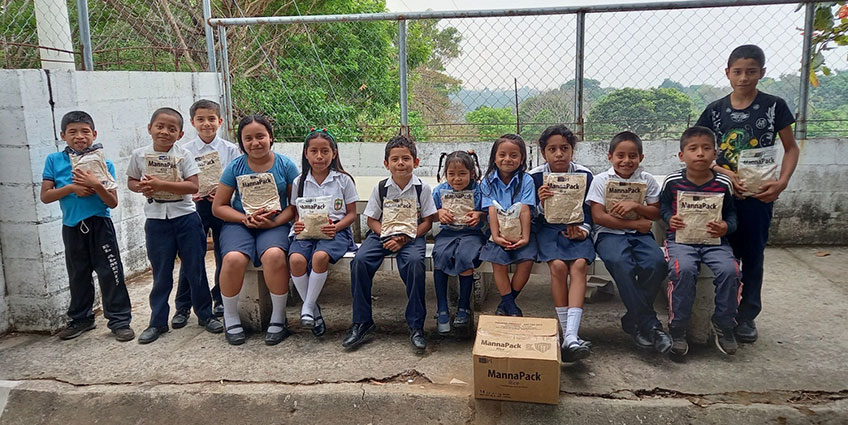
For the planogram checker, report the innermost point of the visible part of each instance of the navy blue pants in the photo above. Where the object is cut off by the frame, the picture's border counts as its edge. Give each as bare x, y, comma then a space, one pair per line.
166, 239
410, 261
183, 299
638, 267
749, 244
684, 266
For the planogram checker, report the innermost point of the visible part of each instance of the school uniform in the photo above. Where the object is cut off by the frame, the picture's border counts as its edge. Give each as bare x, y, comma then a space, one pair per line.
518, 190
551, 238
90, 245
342, 190
173, 228
457, 248
684, 260
227, 151
254, 242
410, 257
633, 259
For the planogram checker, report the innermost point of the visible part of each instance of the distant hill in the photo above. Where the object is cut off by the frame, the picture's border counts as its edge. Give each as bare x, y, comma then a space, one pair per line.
473, 99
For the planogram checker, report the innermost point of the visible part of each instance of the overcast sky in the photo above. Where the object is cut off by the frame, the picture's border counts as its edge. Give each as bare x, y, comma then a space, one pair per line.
638, 49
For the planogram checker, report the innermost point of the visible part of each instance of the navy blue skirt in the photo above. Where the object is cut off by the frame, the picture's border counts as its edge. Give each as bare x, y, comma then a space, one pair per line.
336, 248
253, 242
494, 253
554, 245
456, 251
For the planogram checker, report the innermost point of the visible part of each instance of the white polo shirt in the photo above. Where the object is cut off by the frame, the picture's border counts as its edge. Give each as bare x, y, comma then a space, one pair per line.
597, 192
374, 209
186, 167
338, 186
228, 151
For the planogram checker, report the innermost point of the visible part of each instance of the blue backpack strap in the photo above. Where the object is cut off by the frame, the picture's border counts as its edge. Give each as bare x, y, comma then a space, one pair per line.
538, 181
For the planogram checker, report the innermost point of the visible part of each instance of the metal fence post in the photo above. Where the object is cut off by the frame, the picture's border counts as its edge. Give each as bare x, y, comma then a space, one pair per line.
210, 38
85, 35
404, 113
578, 74
226, 93
806, 65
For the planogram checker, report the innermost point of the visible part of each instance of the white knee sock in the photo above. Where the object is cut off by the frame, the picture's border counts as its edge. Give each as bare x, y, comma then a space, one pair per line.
278, 311
302, 285
562, 315
573, 326
316, 284
231, 314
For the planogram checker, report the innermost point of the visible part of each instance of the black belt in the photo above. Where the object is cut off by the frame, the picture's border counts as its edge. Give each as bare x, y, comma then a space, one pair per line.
151, 200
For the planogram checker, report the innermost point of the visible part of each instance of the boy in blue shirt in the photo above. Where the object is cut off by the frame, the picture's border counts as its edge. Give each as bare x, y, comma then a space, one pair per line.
750, 119
87, 232
401, 159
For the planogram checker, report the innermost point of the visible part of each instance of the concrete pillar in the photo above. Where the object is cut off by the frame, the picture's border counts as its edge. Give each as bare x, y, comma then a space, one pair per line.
54, 30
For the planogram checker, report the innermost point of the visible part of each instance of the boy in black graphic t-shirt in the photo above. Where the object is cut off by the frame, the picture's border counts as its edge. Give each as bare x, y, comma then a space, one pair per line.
750, 119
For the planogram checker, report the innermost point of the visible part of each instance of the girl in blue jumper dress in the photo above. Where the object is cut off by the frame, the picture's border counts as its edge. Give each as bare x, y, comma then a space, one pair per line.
565, 247
507, 182
458, 243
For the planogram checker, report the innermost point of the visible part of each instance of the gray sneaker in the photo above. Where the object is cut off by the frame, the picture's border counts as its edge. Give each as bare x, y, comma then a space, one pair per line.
724, 339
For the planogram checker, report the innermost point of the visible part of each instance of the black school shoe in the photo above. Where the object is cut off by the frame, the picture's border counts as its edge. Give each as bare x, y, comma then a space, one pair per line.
576, 351
75, 329
356, 334
180, 319
123, 334
236, 338
151, 334
319, 327
274, 338
746, 331
417, 338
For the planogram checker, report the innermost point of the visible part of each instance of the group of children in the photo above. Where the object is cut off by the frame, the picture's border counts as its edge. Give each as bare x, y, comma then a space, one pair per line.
498, 216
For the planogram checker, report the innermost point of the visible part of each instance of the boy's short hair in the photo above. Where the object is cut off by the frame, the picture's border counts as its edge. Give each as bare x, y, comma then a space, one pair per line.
748, 51
695, 131
625, 136
204, 104
401, 141
167, 111
77, 117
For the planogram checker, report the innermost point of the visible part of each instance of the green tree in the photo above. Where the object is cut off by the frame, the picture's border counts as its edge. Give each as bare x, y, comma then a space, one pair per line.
653, 113
556, 106
492, 122
830, 27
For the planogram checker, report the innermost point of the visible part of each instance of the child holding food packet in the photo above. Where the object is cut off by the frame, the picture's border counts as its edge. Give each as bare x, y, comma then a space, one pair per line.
252, 200
624, 202
456, 251
562, 230
510, 198
325, 197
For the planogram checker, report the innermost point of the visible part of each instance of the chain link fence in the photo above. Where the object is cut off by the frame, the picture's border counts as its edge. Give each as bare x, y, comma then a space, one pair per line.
650, 71
136, 35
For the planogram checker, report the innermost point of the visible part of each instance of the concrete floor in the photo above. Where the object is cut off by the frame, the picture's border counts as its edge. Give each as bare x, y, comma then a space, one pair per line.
795, 373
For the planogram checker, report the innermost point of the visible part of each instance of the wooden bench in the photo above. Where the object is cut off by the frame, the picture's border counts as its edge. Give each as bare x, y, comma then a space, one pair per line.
255, 301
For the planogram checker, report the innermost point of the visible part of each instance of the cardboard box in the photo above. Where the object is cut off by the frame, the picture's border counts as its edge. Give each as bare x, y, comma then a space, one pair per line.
517, 359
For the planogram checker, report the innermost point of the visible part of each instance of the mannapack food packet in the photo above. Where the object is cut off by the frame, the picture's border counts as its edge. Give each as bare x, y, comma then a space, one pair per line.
258, 191
163, 167
756, 166
566, 206
94, 161
509, 221
210, 172
314, 212
621, 190
400, 217
459, 203
697, 209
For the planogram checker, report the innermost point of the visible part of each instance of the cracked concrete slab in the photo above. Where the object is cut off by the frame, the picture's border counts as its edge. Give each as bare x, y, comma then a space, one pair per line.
797, 364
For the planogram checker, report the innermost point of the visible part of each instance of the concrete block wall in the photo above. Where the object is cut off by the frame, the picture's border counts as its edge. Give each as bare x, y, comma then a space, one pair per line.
812, 210
34, 291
